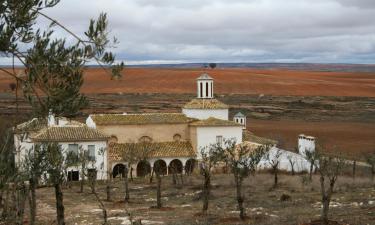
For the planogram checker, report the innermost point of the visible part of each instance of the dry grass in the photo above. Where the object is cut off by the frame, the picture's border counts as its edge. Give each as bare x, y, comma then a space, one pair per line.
353, 203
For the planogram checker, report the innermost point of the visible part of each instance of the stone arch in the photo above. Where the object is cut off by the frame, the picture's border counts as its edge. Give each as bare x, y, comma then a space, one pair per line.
118, 170
160, 166
143, 168
176, 165
189, 166
145, 139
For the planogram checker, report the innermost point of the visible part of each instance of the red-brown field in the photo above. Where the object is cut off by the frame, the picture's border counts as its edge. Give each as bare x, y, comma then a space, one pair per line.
353, 139
241, 81
338, 126
228, 80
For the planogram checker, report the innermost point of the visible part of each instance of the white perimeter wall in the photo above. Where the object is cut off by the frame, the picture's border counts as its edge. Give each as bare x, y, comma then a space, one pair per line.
301, 164
203, 114
207, 135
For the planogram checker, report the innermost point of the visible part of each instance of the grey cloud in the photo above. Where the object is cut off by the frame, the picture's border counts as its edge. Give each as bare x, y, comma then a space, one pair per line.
236, 30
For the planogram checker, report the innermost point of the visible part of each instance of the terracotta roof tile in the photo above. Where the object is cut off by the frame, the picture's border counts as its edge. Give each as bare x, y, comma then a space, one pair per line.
137, 119
199, 103
155, 149
69, 133
214, 122
248, 136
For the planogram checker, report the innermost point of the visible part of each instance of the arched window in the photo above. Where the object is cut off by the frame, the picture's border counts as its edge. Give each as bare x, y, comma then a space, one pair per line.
207, 89
145, 139
177, 137
201, 91
112, 139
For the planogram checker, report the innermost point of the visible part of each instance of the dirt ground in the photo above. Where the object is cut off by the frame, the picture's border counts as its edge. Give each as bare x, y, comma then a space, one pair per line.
353, 139
353, 202
228, 80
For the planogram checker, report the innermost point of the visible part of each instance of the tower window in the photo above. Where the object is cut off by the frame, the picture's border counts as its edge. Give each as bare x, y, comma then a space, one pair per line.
201, 90
212, 90
207, 89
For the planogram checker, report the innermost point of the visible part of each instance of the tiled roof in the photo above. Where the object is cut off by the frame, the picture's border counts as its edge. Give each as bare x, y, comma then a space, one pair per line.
204, 76
136, 119
69, 133
153, 149
248, 136
214, 122
34, 124
199, 103
37, 124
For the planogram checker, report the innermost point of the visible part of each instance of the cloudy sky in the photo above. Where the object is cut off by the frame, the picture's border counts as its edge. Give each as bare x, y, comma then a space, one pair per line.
173, 31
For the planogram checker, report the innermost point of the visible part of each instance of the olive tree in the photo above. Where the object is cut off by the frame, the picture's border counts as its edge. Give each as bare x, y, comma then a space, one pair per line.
242, 159
329, 167
208, 161
52, 73
273, 158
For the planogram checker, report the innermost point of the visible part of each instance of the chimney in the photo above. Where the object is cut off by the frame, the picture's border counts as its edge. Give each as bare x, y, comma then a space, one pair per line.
51, 119
305, 143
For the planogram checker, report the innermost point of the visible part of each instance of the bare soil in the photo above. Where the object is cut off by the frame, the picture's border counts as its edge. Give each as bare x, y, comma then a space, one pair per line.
353, 202
228, 80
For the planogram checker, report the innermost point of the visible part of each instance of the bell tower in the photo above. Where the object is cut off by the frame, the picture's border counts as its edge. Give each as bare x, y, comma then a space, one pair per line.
205, 87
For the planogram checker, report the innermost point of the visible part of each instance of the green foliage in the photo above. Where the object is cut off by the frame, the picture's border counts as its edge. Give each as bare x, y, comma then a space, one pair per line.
53, 72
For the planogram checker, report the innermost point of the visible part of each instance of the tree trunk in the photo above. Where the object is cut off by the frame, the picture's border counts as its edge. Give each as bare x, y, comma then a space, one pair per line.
105, 215
275, 178
206, 191
325, 209
108, 189
131, 173
127, 197
152, 176
240, 198
354, 167
82, 183
59, 205
158, 191
32, 201
293, 172
311, 171
372, 172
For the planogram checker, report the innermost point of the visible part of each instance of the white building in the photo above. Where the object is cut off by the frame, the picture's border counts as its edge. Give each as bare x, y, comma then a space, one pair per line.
71, 136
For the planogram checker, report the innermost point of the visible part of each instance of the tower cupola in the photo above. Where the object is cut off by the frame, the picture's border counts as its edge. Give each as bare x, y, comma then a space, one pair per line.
240, 118
205, 86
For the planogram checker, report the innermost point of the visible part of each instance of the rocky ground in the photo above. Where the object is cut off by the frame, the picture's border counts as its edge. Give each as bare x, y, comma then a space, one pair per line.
293, 202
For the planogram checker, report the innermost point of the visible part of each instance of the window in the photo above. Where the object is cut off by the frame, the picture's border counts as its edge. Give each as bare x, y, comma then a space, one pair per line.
91, 149
207, 89
73, 175
72, 153
219, 140
177, 137
201, 84
73, 148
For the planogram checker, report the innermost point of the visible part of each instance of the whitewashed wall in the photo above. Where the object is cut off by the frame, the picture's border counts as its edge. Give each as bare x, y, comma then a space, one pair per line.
207, 135
23, 147
203, 114
101, 160
301, 164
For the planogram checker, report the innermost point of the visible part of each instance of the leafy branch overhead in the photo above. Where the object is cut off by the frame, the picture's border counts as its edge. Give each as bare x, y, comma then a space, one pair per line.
53, 73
